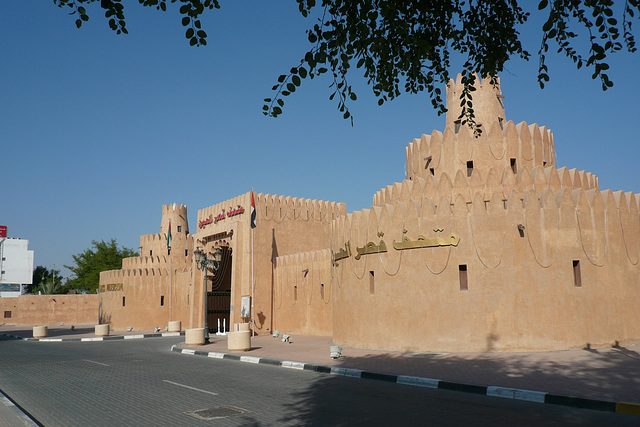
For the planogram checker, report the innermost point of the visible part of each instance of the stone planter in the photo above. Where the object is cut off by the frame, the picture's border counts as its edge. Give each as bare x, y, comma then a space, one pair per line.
239, 327
240, 340
102, 330
40, 331
175, 326
194, 336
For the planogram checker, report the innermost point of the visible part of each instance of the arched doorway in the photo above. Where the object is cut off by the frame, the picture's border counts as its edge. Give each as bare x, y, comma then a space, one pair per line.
219, 294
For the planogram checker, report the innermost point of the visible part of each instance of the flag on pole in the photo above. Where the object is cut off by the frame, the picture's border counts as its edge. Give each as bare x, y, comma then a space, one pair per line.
169, 236
253, 211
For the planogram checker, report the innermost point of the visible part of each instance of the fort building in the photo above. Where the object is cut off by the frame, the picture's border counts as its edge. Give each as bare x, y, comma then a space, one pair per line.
486, 245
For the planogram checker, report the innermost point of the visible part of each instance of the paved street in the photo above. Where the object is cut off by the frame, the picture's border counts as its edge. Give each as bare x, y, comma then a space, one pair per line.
141, 382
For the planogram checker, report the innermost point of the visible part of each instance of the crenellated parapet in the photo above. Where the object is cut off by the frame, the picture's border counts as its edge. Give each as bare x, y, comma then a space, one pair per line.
153, 248
502, 146
487, 102
502, 181
280, 208
177, 214
555, 222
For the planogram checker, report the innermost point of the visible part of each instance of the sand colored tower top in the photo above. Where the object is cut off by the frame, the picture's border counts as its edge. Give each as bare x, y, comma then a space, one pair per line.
487, 102
178, 216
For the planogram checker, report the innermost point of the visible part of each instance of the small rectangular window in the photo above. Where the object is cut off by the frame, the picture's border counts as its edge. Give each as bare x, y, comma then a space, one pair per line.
295, 293
433, 172
514, 166
186, 252
464, 284
469, 168
577, 276
123, 301
161, 300
179, 228
457, 125
322, 290
7, 315
151, 252
372, 283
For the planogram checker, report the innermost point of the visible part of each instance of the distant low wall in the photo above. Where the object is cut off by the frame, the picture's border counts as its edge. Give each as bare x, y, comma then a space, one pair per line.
49, 309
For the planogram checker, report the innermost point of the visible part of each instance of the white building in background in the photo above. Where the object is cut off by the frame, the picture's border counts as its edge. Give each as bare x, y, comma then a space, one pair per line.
16, 266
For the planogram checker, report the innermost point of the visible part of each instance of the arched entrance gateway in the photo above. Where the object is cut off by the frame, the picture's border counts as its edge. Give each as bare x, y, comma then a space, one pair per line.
219, 293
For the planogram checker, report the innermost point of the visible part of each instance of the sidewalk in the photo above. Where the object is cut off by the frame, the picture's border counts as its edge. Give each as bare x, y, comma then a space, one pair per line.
609, 374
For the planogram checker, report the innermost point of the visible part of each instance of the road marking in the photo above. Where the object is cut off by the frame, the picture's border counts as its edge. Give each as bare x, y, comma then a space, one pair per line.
97, 363
190, 388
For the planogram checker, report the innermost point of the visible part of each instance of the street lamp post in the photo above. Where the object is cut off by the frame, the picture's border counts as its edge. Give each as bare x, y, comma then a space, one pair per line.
203, 263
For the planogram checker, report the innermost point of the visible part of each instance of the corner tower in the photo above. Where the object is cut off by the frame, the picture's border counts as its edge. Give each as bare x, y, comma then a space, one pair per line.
177, 214
487, 102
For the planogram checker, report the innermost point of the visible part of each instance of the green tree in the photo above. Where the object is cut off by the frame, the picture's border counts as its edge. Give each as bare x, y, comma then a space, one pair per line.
87, 266
406, 45
47, 281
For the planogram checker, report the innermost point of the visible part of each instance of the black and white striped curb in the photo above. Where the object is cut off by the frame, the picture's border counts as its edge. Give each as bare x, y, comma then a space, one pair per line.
91, 339
504, 392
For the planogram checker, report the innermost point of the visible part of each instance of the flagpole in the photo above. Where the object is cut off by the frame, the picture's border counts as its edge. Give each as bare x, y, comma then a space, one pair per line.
170, 272
253, 317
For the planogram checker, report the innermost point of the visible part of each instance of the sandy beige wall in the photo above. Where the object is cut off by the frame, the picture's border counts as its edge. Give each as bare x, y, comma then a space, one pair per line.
521, 293
302, 294
143, 290
50, 309
289, 226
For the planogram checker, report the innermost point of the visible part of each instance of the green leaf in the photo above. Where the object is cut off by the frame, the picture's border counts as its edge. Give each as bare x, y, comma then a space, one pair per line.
185, 21
303, 72
296, 80
189, 33
78, 23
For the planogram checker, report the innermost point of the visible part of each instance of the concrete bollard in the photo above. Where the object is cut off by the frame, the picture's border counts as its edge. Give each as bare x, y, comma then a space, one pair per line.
175, 326
40, 331
194, 336
240, 340
102, 330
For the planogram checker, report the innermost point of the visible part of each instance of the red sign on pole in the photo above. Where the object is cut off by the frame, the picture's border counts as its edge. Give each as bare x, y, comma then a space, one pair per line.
3, 231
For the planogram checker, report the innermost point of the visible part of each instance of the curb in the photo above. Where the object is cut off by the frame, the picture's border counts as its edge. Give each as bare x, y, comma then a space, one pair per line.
93, 339
626, 408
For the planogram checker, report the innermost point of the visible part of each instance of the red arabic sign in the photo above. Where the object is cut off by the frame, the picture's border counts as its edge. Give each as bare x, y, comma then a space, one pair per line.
3, 231
211, 219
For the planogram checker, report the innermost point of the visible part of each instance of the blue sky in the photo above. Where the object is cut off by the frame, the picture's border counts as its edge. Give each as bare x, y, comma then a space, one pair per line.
98, 131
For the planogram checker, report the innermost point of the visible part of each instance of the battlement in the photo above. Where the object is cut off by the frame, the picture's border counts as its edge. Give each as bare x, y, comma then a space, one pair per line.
487, 102
494, 180
177, 214
280, 208
118, 276
304, 260
601, 224
515, 147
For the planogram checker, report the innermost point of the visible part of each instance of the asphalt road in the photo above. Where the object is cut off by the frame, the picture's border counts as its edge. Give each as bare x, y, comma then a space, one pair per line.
141, 382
